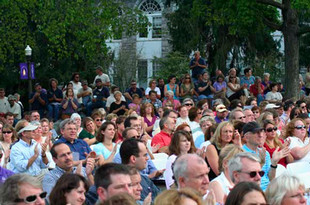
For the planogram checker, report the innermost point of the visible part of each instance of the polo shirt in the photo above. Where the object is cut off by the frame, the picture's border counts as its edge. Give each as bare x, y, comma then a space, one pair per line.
266, 167
254, 90
249, 81
78, 146
162, 138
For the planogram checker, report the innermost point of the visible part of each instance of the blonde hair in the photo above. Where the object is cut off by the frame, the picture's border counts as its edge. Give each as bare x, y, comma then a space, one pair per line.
175, 197
217, 136
228, 152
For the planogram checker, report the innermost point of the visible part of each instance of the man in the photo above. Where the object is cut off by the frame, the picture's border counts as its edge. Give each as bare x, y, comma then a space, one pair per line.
75, 80
257, 89
249, 116
288, 106
134, 122
28, 156
104, 77
237, 115
232, 73
191, 171
161, 86
133, 152
112, 179
135, 183
167, 112
3, 102
163, 138
79, 147
85, 93
194, 115
34, 116
111, 98
245, 167
221, 113
255, 137
9, 118
100, 95
62, 156
153, 100
132, 90
197, 65
55, 97
20, 189
247, 79
204, 87
38, 100
14, 107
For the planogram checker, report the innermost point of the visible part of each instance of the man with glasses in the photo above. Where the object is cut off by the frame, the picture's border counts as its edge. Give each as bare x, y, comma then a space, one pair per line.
79, 148
132, 90
22, 189
236, 115
255, 138
28, 156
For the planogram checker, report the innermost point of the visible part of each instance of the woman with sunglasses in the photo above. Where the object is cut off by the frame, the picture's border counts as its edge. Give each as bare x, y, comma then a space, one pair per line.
273, 142
6, 140
187, 88
69, 189
234, 90
98, 120
299, 145
172, 86
181, 143
152, 86
106, 147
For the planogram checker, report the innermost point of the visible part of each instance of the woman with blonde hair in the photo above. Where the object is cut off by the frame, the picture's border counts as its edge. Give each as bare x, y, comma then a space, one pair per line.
224, 135
7, 138
222, 184
273, 142
178, 197
286, 190
296, 134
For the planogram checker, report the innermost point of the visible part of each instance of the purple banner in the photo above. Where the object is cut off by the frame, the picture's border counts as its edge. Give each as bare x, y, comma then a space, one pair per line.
32, 71
23, 71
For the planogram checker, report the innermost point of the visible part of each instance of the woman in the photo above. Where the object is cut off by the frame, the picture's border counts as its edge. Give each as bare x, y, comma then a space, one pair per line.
118, 107
148, 117
171, 100
69, 104
234, 90
286, 190
245, 193
220, 87
256, 112
81, 132
135, 105
204, 123
152, 86
90, 128
106, 147
296, 134
69, 189
183, 118
187, 88
274, 96
222, 184
7, 138
183, 196
181, 143
273, 142
172, 86
294, 113
224, 135
98, 120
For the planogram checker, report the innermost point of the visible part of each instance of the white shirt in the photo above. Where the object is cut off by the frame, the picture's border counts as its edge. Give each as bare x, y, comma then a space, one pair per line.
76, 87
111, 99
296, 142
3, 105
223, 181
157, 90
273, 96
169, 173
104, 78
16, 110
181, 121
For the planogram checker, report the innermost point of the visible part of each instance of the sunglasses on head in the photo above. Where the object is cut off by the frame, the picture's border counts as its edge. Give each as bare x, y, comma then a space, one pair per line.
254, 173
299, 127
32, 198
270, 129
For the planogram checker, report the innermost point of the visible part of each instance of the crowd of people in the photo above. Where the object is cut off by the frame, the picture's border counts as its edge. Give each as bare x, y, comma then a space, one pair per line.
224, 138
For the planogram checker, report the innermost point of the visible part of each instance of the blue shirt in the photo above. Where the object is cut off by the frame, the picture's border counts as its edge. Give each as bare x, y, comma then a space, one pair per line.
197, 69
249, 81
4, 174
78, 146
52, 176
266, 167
50, 94
21, 152
36, 105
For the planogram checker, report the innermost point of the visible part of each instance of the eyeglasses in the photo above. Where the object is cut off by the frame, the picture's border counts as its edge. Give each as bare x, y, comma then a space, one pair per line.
136, 136
303, 107
254, 173
32, 198
99, 120
270, 129
299, 127
6, 132
188, 104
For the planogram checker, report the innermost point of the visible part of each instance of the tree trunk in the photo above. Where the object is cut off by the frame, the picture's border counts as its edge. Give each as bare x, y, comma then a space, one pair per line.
291, 44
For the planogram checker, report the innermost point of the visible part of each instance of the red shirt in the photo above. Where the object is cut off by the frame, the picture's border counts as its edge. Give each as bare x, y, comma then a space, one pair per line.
271, 151
162, 138
254, 90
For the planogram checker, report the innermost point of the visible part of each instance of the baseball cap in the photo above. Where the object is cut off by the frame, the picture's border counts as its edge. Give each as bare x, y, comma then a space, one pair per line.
98, 80
271, 106
251, 127
221, 108
29, 127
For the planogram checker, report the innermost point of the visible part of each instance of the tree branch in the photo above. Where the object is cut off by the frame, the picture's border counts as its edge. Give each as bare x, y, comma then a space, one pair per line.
272, 25
303, 30
271, 3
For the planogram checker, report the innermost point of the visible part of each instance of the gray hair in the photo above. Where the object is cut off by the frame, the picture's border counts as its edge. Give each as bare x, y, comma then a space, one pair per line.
63, 124
235, 163
180, 165
266, 74
162, 122
257, 78
10, 190
232, 114
170, 93
207, 118
280, 186
75, 115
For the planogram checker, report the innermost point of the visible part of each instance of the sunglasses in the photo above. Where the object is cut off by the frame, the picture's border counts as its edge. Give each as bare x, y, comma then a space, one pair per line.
99, 120
188, 104
270, 129
299, 127
6, 132
254, 173
32, 198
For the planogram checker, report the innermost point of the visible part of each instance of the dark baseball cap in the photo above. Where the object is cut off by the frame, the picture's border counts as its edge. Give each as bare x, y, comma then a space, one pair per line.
251, 127
98, 80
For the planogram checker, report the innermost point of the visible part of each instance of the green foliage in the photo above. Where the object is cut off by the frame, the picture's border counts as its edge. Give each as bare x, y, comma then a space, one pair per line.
174, 63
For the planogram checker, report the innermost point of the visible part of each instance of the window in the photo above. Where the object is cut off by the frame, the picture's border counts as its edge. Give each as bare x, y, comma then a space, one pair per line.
142, 72
150, 6
156, 33
156, 68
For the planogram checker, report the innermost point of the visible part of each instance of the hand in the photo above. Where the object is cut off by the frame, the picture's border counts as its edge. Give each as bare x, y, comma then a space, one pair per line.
44, 148
202, 152
287, 142
262, 155
277, 155
115, 147
237, 139
36, 150
210, 198
159, 172
90, 165
155, 148
79, 168
148, 199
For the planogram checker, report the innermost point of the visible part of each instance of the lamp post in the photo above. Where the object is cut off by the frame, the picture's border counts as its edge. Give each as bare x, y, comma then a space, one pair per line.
28, 52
